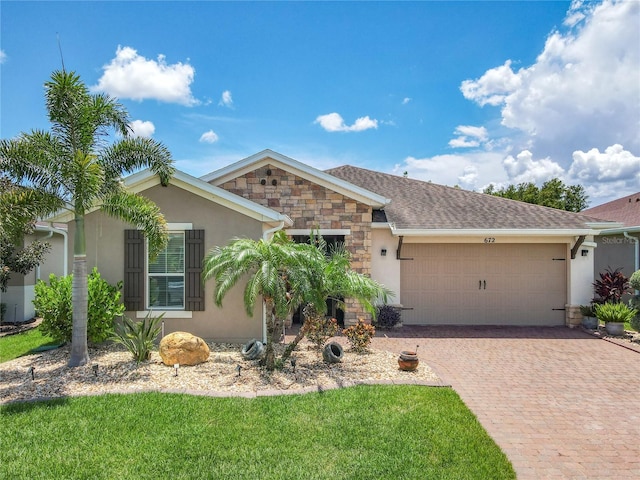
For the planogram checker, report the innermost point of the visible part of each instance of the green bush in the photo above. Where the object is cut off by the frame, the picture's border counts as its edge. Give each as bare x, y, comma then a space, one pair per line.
634, 280
614, 312
3, 311
53, 304
360, 335
138, 337
634, 303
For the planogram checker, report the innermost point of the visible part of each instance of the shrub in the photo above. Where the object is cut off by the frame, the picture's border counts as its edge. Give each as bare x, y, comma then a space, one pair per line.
53, 304
611, 286
614, 312
320, 329
386, 316
634, 280
360, 335
138, 337
3, 311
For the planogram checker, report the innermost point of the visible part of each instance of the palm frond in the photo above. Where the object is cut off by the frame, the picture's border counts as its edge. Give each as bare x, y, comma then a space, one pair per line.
131, 154
142, 213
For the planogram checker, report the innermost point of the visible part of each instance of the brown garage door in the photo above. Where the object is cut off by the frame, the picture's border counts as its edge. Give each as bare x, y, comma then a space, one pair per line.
484, 284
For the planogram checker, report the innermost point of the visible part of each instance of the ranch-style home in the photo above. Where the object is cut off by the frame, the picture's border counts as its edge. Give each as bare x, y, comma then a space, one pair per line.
450, 256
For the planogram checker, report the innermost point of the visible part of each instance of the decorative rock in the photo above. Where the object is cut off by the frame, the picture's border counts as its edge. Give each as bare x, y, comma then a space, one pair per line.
183, 348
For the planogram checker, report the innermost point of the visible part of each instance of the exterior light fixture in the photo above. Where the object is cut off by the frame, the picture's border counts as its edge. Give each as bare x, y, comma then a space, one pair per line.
383, 252
32, 371
95, 369
238, 369
584, 252
176, 366
293, 364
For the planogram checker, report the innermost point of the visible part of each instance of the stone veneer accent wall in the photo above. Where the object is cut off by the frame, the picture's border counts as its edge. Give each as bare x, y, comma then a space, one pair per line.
312, 206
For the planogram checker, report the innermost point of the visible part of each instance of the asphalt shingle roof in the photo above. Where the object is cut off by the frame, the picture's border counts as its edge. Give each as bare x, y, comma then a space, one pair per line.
416, 204
625, 210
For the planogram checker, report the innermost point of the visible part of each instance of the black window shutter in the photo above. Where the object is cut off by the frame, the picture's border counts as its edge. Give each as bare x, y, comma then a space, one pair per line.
194, 255
134, 262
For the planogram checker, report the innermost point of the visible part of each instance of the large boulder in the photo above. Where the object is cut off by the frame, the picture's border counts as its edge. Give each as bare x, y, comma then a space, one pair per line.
183, 348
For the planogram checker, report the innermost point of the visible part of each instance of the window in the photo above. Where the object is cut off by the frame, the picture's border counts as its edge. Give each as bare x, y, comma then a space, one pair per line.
173, 281
165, 276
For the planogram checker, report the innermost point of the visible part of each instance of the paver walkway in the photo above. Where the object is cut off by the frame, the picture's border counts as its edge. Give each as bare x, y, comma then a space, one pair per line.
559, 402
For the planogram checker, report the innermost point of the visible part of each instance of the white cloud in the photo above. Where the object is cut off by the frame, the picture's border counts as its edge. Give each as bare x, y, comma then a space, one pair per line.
464, 170
209, 137
524, 168
406, 100
142, 128
130, 75
226, 100
3, 57
613, 165
583, 87
333, 122
478, 136
493, 87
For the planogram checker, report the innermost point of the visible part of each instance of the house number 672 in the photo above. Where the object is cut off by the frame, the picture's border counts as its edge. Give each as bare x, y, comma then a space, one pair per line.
489, 240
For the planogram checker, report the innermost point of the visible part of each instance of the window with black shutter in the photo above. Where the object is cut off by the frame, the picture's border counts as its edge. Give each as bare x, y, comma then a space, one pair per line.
172, 281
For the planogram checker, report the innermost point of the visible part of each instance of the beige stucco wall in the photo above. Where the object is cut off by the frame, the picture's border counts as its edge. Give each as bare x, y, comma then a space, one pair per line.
312, 206
105, 240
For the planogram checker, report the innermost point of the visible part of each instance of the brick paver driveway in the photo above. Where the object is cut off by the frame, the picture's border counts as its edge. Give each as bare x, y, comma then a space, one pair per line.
559, 402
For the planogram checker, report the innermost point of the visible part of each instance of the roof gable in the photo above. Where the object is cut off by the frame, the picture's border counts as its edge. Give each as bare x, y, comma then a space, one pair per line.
423, 206
625, 210
145, 179
269, 157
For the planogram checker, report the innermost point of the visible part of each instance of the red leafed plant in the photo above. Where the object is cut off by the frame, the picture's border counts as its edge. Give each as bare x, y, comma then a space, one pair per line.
611, 286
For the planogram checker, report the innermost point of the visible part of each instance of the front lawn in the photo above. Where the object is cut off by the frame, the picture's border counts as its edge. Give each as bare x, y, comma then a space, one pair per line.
365, 432
14, 346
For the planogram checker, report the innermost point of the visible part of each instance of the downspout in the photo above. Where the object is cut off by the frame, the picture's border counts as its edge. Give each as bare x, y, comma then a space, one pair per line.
265, 236
46, 237
51, 229
637, 252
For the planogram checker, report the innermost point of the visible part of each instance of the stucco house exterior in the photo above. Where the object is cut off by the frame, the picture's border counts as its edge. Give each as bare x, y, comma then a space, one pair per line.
20, 289
450, 256
618, 247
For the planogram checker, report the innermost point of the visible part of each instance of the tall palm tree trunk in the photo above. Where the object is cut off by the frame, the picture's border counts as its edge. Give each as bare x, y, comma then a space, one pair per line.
79, 295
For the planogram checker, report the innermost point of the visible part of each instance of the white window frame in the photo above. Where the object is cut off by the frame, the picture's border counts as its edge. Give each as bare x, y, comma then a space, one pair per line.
178, 312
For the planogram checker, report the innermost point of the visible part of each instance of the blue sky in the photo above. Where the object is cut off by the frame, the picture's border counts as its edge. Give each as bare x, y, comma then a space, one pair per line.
458, 93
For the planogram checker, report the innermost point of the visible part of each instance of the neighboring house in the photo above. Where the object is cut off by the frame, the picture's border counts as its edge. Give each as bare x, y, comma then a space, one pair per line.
618, 247
449, 255
20, 290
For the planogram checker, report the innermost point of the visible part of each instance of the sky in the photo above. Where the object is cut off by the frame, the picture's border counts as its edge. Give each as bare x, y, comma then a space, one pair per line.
453, 92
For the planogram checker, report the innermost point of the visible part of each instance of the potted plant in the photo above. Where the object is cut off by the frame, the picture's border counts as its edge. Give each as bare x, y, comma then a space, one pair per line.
614, 315
589, 319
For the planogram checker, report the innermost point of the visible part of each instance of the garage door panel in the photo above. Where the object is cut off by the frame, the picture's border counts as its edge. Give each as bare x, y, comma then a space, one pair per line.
477, 284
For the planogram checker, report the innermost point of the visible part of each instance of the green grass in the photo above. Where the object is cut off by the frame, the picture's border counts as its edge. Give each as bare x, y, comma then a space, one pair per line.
365, 432
14, 346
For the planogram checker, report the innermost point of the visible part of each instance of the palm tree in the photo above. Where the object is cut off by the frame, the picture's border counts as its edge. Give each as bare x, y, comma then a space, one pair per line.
331, 277
285, 275
73, 167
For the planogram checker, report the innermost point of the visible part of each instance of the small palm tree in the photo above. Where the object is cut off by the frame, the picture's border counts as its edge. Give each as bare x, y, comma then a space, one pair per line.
267, 264
331, 277
285, 275
74, 168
